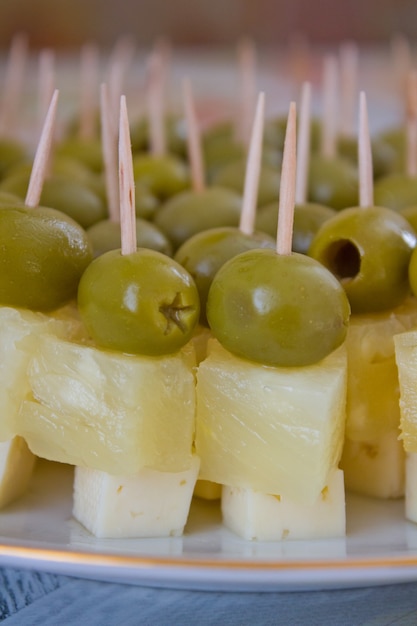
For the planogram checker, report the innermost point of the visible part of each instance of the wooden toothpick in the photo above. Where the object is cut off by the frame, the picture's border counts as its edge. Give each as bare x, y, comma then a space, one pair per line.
42, 155
349, 59
329, 121
195, 152
303, 145
155, 105
247, 71
287, 186
126, 184
366, 180
13, 83
253, 168
411, 125
46, 82
109, 146
89, 71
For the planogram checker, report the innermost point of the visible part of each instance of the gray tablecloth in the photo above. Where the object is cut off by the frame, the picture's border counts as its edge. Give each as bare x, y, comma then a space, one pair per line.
29, 598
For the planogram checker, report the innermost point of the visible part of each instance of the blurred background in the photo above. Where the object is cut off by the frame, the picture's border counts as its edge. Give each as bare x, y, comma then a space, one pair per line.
69, 23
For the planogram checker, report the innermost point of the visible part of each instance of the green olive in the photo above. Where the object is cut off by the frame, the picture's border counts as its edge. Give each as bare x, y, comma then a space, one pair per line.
7, 199
410, 214
332, 182
164, 176
146, 204
87, 151
42, 256
105, 236
175, 132
307, 220
396, 191
368, 250
275, 128
204, 254
11, 153
74, 199
189, 213
280, 310
412, 272
219, 151
233, 175
139, 303
384, 155
17, 179
73, 125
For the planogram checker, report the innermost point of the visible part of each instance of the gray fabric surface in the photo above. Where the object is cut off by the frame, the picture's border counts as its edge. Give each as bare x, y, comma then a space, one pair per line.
31, 598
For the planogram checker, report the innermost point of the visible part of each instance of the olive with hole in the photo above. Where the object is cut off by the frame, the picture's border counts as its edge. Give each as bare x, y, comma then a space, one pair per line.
368, 250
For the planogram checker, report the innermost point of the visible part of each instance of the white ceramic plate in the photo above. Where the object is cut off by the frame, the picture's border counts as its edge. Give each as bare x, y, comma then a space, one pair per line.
38, 533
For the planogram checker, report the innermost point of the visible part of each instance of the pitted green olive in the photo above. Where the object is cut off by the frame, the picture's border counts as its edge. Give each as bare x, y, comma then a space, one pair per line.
368, 250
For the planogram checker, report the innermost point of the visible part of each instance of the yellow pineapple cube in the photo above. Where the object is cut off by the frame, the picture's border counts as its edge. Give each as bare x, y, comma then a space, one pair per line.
373, 389
110, 411
406, 356
20, 332
270, 429
373, 458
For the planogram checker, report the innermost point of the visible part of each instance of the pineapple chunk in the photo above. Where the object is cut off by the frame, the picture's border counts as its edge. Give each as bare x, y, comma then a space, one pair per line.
373, 390
274, 430
406, 356
207, 490
259, 516
375, 467
16, 466
149, 504
20, 332
110, 411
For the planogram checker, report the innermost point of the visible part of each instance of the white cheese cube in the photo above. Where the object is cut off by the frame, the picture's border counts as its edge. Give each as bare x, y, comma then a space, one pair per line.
148, 504
263, 517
